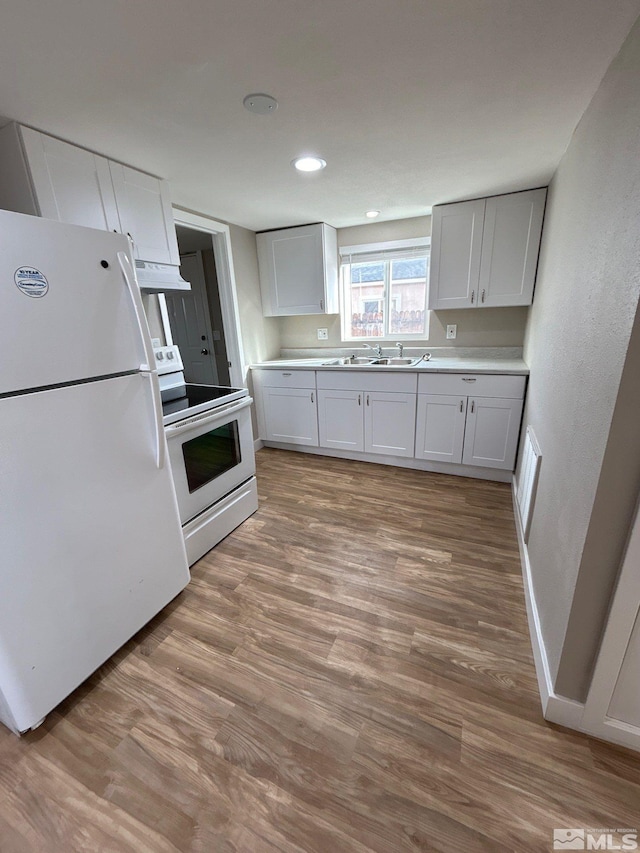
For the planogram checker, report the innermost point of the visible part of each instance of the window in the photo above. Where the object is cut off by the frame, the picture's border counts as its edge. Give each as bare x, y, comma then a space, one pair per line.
384, 290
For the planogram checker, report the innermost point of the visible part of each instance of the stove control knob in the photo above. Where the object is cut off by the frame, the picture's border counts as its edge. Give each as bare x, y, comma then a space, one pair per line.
159, 356
169, 355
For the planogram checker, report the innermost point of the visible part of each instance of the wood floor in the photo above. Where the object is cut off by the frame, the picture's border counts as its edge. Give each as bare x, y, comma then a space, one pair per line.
348, 671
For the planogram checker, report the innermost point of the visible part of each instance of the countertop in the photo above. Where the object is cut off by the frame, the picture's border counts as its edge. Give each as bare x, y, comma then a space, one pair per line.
512, 366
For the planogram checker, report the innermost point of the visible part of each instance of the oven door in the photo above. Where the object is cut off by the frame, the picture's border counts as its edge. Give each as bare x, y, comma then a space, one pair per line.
211, 454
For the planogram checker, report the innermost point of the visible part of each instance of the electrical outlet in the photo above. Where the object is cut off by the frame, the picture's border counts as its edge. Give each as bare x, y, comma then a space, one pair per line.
452, 331
323, 334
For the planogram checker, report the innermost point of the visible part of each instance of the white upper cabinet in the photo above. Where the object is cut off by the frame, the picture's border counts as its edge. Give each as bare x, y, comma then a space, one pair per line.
72, 185
299, 270
44, 176
484, 253
145, 213
456, 246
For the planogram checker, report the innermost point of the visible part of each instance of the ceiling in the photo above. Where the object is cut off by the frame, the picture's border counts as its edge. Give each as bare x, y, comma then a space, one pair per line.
411, 103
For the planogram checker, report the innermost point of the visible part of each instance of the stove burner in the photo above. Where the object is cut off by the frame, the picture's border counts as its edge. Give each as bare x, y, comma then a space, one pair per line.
196, 395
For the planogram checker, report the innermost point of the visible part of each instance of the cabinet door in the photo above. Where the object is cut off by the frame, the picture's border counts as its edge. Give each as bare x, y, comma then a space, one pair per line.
510, 245
292, 271
440, 427
144, 207
340, 419
456, 245
71, 185
389, 423
291, 415
491, 433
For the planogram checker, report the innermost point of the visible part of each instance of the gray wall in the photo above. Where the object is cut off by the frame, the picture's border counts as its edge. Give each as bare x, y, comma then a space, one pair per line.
581, 396
487, 327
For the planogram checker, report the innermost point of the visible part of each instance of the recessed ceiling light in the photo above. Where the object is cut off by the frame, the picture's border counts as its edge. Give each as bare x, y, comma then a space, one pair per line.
260, 104
371, 214
309, 164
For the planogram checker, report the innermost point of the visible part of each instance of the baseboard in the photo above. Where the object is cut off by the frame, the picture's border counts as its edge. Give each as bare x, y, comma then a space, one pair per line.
555, 708
258, 444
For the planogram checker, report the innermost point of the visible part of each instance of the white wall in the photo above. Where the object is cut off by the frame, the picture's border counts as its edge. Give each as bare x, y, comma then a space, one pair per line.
260, 335
577, 346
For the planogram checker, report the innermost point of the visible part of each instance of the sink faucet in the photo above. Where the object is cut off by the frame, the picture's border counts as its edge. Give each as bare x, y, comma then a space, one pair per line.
400, 349
377, 349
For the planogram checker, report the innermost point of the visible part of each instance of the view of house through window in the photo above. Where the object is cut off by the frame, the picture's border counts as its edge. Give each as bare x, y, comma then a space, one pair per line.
384, 290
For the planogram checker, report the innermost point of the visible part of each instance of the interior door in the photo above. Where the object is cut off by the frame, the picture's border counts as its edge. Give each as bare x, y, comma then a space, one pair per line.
71, 312
92, 543
191, 323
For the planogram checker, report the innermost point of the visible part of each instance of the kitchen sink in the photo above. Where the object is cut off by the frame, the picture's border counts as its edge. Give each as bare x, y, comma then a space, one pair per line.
362, 361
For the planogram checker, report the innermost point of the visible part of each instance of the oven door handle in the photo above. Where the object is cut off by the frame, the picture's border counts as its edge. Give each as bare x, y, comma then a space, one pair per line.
134, 293
156, 402
220, 413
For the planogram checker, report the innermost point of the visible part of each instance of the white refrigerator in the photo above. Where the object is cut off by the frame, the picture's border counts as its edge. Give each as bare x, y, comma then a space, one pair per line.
91, 545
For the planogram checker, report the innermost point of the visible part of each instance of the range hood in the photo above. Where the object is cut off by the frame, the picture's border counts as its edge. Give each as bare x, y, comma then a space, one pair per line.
158, 278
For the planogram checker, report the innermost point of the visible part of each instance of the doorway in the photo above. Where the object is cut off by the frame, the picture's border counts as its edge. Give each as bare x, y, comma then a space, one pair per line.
195, 315
214, 315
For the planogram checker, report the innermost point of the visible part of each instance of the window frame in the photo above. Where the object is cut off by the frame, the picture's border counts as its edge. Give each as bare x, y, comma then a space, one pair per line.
387, 247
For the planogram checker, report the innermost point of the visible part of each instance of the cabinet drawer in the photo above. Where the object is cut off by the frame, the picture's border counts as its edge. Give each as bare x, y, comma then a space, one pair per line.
473, 384
367, 379
287, 378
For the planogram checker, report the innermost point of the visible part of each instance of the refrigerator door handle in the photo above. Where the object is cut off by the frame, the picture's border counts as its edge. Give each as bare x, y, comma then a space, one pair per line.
158, 423
136, 299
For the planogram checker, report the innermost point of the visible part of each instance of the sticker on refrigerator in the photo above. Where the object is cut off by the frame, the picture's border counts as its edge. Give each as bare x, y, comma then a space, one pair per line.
31, 281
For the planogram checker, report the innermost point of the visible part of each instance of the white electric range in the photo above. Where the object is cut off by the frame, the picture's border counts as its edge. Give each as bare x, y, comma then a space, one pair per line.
210, 443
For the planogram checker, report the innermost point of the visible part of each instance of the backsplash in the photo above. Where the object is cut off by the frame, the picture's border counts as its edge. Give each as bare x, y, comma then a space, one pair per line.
477, 327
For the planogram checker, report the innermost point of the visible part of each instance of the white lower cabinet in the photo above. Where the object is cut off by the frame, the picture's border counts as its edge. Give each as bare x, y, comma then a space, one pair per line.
291, 415
477, 429
440, 427
491, 433
360, 413
462, 419
389, 423
371, 421
340, 419
287, 406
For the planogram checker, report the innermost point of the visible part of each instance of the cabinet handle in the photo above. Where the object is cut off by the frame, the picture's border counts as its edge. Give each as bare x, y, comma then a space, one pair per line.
322, 304
473, 405
468, 378
131, 238
473, 296
286, 374
312, 400
461, 404
359, 399
483, 296
367, 399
